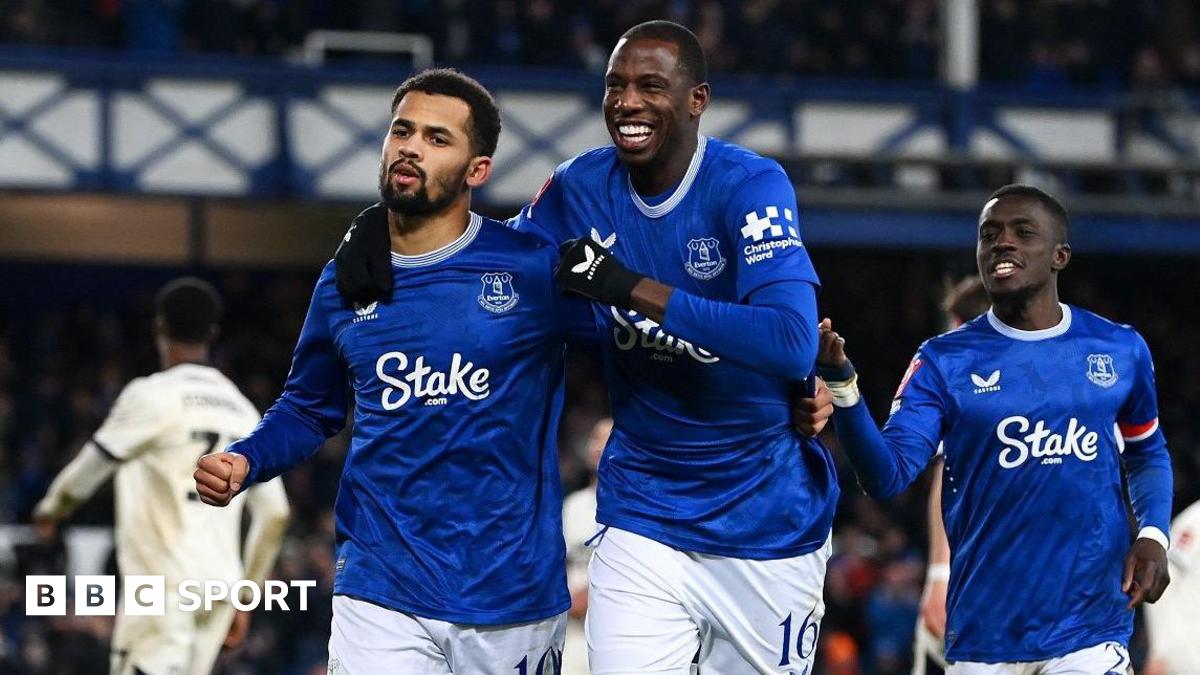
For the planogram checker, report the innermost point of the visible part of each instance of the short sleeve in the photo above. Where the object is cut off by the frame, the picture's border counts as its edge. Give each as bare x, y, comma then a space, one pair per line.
136, 419
764, 224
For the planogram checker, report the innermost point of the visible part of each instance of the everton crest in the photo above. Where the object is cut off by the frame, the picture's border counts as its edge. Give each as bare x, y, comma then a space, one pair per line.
498, 295
704, 258
1100, 370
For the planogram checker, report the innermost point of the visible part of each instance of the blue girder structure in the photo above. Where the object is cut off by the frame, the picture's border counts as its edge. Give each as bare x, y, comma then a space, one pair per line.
255, 129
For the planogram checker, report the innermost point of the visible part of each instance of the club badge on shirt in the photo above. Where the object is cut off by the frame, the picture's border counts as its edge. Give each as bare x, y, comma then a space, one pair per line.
498, 295
704, 260
1100, 370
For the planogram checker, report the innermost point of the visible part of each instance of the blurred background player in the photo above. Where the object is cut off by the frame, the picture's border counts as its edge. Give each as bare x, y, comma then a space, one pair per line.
1038, 583
963, 301
450, 550
157, 429
1172, 622
579, 529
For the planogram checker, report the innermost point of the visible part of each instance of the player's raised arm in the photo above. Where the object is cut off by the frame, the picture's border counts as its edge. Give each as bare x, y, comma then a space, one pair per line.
311, 409
777, 310
885, 462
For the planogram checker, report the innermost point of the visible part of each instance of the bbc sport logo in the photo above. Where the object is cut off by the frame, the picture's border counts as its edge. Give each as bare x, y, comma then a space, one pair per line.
96, 595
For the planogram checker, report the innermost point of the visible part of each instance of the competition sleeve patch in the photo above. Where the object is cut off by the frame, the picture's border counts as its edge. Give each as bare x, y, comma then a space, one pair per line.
913, 367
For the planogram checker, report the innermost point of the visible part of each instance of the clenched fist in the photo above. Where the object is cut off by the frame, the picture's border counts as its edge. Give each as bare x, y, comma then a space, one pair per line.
219, 476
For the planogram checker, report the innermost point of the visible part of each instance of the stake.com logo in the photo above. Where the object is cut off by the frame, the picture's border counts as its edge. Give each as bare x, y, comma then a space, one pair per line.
145, 595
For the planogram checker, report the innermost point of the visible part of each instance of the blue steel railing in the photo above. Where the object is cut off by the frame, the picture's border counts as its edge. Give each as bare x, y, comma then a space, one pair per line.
258, 129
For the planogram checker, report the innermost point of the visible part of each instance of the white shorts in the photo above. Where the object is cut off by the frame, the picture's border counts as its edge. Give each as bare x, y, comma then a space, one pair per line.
575, 653
177, 643
653, 609
367, 638
1108, 658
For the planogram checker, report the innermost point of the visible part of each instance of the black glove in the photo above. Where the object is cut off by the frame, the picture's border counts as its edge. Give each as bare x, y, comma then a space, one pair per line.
364, 259
588, 269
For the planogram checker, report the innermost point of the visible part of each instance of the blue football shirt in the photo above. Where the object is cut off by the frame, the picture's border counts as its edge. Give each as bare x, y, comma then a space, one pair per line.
450, 502
1032, 497
702, 457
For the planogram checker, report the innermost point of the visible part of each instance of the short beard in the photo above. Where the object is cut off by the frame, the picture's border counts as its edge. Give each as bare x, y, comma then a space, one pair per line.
418, 203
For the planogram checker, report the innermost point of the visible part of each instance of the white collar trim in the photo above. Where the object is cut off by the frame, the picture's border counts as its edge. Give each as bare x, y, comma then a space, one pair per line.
440, 254
1031, 335
681, 191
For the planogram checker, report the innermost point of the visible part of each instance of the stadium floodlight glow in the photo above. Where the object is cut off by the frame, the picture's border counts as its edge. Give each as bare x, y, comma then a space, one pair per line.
146, 595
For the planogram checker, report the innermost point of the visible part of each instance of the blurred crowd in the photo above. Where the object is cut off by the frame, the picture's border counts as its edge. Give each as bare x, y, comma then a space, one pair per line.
67, 348
1032, 43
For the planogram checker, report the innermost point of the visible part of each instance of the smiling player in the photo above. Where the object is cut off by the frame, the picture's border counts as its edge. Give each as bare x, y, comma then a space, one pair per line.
717, 514
1024, 400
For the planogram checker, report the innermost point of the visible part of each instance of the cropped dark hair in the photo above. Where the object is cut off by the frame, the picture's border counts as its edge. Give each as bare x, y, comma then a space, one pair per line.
691, 54
485, 116
189, 309
1051, 204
